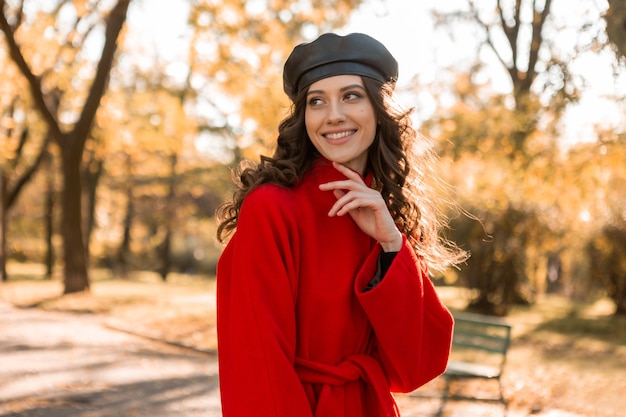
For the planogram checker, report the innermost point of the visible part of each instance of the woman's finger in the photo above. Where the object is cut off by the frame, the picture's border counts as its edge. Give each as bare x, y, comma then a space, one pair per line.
353, 175
341, 185
353, 200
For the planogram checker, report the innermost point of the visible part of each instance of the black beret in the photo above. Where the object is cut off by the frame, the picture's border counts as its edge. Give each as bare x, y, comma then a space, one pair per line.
331, 54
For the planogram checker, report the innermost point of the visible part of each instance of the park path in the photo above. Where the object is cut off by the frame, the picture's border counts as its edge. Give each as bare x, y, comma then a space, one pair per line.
70, 365
55, 364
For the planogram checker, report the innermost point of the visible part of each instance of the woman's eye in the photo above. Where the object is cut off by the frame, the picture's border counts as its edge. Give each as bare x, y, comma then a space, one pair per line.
315, 101
352, 96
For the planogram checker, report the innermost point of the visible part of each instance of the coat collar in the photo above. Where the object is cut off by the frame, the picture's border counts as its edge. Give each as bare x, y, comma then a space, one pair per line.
323, 171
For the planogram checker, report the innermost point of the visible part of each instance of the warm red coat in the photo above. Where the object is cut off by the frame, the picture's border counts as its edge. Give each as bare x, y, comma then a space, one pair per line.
297, 336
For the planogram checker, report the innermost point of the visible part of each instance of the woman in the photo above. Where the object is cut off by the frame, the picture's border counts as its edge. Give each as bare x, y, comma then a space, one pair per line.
323, 299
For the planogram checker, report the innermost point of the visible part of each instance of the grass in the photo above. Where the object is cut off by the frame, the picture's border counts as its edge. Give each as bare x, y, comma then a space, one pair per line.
565, 355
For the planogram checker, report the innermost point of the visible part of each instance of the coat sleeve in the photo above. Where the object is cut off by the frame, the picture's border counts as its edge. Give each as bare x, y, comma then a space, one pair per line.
255, 312
413, 329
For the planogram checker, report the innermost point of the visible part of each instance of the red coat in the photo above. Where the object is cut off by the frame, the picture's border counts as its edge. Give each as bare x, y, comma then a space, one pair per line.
297, 336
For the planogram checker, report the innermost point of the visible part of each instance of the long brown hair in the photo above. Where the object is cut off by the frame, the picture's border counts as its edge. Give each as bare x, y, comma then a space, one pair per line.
405, 178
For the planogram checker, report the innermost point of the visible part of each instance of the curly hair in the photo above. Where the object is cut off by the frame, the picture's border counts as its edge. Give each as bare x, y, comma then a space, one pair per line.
403, 176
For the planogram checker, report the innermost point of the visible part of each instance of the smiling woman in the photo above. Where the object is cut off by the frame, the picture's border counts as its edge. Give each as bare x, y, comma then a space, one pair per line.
324, 305
340, 120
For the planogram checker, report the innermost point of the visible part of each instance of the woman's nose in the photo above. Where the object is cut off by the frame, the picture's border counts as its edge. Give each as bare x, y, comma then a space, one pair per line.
335, 113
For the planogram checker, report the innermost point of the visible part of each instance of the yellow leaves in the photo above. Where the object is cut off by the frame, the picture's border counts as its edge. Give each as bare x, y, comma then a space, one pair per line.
463, 84
39, 43
241, 46
150, 121
231, 15
449, 125
81, 7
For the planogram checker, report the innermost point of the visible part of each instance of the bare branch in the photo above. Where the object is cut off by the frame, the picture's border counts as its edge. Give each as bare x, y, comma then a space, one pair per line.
34, 82
8, 112
19, 16
539, 20
511, 32
26, 176
21, 144
114, 25
489, 40
71, 44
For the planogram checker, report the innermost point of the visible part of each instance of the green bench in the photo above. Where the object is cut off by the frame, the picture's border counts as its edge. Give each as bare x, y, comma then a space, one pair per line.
479, 349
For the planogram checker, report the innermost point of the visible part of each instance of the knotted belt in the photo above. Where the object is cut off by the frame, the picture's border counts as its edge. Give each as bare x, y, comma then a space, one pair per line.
333, 378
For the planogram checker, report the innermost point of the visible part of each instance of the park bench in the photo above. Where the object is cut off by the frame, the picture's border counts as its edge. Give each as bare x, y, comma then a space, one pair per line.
479, 349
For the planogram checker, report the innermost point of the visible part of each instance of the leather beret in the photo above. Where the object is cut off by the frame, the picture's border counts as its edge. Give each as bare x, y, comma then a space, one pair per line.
332, 54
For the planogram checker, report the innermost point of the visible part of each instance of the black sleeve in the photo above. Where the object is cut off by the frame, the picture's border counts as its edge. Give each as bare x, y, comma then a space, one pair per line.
384, 262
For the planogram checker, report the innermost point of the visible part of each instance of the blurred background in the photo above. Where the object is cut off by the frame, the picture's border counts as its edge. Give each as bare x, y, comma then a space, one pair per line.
120, 122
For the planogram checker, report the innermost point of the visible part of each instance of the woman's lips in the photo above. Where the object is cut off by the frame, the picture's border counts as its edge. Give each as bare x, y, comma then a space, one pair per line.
339, 135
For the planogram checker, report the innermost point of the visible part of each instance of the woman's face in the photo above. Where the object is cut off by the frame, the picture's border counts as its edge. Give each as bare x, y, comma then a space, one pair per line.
340, 120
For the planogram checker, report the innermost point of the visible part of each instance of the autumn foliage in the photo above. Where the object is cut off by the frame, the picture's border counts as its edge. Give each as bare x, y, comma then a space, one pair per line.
115, 156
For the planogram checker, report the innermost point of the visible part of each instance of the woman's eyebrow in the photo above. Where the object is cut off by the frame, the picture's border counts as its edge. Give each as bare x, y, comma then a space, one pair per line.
314, 92
342, 89
351, 86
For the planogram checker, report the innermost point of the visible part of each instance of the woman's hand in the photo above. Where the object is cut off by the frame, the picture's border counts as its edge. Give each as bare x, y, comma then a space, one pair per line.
365, 206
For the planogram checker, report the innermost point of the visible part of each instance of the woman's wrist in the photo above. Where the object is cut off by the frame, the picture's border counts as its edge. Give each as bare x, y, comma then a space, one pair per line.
393, 245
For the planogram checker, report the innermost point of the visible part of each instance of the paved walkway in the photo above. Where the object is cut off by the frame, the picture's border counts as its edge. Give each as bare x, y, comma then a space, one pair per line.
67, 365
71, 365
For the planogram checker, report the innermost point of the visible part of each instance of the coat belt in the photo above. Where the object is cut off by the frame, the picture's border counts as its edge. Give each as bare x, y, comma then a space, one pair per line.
333, 378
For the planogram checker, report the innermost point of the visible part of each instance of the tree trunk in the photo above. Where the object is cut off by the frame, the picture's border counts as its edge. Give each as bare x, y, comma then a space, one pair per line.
71, 143
121, 260
165, 247
75, 268
92, 174
615, 18
3, 226
164, 252
49, 216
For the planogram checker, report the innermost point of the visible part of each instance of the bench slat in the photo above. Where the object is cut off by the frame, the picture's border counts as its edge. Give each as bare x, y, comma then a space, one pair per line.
461, 369
479, 345
476, 332
499, 349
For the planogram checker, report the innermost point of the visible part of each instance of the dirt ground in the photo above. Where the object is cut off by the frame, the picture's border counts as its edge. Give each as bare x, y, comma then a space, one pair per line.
566, 359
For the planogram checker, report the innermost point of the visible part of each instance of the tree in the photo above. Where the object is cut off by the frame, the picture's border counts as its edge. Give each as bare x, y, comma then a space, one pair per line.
69, 137
152, 141
230, 96
615, 18
18, 164
516, 34
607, 253
602, 167
515, 134
236, 57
